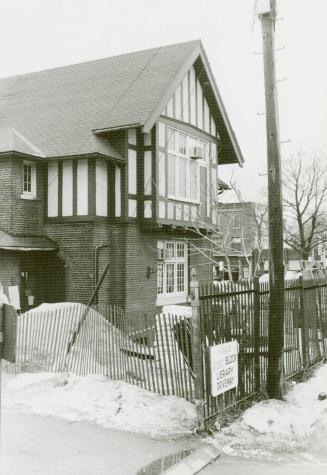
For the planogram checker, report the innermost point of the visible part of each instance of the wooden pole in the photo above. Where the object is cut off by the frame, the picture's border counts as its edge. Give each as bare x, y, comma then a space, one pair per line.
197, 355
257, 336
276, 265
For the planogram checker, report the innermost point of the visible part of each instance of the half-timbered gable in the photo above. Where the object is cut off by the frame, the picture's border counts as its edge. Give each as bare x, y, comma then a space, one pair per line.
112, 159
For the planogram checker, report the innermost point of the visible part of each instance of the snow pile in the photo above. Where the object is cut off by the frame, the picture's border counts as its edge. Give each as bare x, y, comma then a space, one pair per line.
278, 428
44, 333
95, 399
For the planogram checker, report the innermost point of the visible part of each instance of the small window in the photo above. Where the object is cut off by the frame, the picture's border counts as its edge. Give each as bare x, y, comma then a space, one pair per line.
236, 221
171, 139
182, 144
29, 179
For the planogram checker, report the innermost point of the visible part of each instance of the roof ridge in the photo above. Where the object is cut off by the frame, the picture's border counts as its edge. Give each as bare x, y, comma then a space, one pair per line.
71, 65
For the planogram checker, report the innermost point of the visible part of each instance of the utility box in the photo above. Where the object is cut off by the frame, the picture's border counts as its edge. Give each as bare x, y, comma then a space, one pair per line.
8, 332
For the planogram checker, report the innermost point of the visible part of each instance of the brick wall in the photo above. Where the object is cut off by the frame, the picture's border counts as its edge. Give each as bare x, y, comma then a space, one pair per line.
19, 215
202, 264
9, 269
5, 193
77, 243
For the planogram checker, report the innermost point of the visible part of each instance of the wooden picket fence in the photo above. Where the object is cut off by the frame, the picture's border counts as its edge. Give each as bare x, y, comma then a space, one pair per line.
151, 351
163, 353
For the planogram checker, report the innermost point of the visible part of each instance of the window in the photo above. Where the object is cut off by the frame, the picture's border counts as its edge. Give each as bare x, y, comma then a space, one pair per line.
236, 221
29, 179
183, 172
172, 274
236, 244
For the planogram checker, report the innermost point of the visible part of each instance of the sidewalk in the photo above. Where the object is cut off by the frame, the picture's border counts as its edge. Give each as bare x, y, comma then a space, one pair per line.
35, 445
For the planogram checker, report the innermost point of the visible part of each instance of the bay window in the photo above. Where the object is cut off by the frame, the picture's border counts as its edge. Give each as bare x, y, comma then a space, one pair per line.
172, 271
183, 171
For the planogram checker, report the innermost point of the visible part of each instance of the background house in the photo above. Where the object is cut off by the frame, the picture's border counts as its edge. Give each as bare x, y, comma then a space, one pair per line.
110, 161
244, 244
242, 232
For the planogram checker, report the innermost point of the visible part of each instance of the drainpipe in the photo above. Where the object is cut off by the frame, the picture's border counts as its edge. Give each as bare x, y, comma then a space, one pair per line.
96, 265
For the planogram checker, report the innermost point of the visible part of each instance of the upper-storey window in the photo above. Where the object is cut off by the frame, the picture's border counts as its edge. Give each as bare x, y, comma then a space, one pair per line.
29, 180
183, 171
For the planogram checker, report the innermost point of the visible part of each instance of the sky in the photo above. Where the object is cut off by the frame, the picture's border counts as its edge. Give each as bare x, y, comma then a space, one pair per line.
41, 34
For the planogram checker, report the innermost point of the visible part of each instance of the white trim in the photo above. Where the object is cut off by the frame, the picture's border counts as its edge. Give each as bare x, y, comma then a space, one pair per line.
67, 188
52, 189
101, 188
132, 186
117, 191
82, 196
197, 51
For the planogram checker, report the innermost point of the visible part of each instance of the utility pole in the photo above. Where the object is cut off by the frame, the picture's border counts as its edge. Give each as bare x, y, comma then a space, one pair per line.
267, 14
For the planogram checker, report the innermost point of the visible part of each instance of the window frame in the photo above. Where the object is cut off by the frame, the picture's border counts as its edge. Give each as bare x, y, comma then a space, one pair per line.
173, 260
29, 194
175, 156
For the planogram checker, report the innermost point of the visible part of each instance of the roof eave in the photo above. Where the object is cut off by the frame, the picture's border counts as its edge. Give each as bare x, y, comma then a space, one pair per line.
119, 127
197, 51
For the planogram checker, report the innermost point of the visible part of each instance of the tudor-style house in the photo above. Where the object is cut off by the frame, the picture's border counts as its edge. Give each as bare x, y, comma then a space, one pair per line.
110, 161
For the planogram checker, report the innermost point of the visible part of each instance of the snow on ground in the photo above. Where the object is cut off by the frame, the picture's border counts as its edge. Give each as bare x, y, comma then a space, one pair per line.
276, 430
96, 399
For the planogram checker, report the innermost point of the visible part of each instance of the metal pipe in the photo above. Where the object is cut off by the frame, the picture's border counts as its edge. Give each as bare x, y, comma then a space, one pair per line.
96, 263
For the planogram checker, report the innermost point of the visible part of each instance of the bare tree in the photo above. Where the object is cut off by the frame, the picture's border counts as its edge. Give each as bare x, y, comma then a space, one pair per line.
217, 237
305, 193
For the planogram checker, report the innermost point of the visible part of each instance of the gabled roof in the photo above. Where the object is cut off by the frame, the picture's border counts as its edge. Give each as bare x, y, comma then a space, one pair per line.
58, 110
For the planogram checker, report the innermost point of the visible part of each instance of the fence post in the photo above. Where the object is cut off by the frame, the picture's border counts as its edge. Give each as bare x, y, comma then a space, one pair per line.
256, 318
197, 356
304, 339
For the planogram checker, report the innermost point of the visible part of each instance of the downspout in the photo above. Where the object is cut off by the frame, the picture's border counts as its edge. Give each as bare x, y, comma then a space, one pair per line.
96, 265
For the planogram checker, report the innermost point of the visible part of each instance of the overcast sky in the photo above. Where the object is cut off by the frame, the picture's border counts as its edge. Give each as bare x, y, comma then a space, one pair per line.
41, 34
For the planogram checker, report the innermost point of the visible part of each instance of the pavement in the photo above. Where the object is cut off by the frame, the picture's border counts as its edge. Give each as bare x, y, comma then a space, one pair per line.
35, 445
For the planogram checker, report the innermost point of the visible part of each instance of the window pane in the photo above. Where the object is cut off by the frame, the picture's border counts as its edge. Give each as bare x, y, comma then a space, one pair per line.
193, 180
171, 175
213, 153
170, 250
180, 249
180, 277
170, 278
160, 280
171, 137
204, 146
182, 177
182, 144
27, 182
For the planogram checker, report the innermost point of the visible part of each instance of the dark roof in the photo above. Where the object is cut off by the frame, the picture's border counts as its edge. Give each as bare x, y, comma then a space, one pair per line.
25, 243
58, 110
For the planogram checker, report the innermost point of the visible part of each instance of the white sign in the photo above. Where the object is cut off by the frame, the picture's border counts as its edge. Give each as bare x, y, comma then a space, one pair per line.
263, 6
223, 360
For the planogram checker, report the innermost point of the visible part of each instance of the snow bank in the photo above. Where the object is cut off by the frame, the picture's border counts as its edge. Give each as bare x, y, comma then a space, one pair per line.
95, 399
43, 335
279, 428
